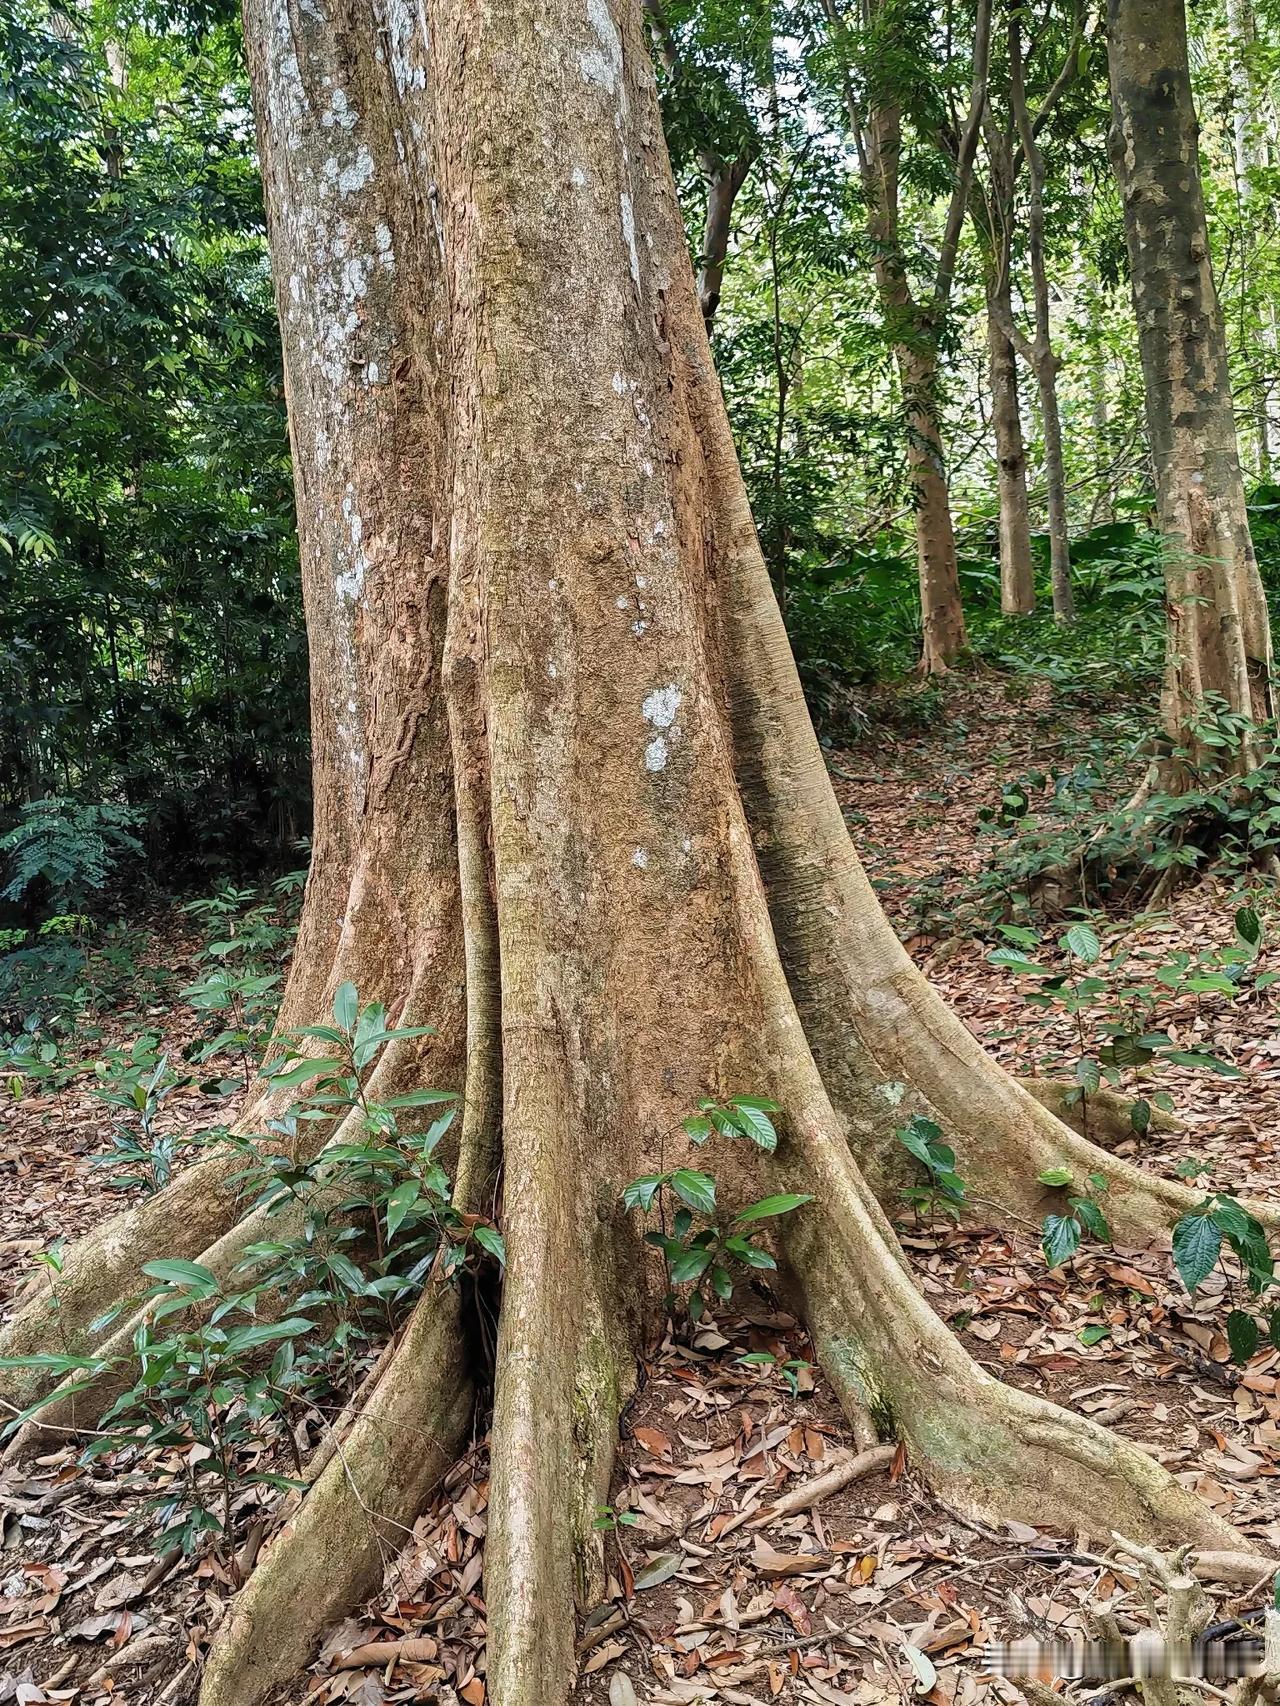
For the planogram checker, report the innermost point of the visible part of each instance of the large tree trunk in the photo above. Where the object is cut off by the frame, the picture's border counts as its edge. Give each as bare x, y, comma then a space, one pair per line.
1017, 581
1219, 640
572, 812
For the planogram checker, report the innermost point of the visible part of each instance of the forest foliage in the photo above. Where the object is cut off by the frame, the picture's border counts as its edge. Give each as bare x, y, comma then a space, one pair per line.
153, 661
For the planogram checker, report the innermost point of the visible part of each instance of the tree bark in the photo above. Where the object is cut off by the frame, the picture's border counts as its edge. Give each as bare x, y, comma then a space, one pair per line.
1043, 360
1017, 580
915, 327
1219, 643
942, 624
1251, 154
574, 814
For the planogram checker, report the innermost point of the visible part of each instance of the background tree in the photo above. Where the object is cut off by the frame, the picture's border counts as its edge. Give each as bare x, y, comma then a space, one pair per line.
879, 65
1219, 640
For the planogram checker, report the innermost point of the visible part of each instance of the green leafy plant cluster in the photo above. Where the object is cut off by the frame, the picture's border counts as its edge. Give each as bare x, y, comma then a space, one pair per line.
943, 1190
1221, 1234
1063, 1232
221, 1373
1116, 1007
699, 1251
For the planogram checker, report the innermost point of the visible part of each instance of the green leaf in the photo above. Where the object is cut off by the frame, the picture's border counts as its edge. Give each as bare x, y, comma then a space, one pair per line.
1088, 1076
1197, 1243
1248, 926
490, 1239
399, 1203
1140, 1115
690, 1265
346, 1006
697, 1128
1081, 942
756, 1124
1094, 1333
284, 1077
1055, 1176
696, 1189
641, 1192
1060, 1238
1243, 1336
768, 1207
1092, 1219
1013, 961
1205, 1062
189, 1275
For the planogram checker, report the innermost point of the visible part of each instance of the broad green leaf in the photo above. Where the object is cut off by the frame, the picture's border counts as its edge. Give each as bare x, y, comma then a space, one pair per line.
689, 1265
1243, 1335
1197, 1243
1094, 1333
1055, 1176
696, 1189
346, 1006
1081, 942
1060, 1238
399, 1204
756, 1124
641, 1192
190, 1275
768, 1207
490, 1239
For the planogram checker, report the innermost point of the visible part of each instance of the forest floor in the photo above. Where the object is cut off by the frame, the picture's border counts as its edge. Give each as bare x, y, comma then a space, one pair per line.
880, 1592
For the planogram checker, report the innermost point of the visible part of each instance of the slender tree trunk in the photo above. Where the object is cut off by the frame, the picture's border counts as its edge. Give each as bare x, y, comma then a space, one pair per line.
1250, 154
1102, 510
1017, 581
1043, 360
915, 326
1219, 641
1055, 474
572, 812
941, 613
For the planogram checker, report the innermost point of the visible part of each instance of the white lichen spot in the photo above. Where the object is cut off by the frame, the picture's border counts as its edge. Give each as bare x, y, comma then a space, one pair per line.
339, 111
350, 583
629, 236
642, 581
552, 671
356, 175
602, 62
619, 384
372, 373
640, 859
686, 846
578, 178
661, 705
622, 602
640, 627
655, 754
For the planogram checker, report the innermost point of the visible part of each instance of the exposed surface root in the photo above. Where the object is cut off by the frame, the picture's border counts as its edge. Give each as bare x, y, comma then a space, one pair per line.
357, 1513
565, 1369
1103, 1118
991, 1449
